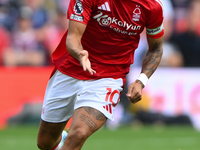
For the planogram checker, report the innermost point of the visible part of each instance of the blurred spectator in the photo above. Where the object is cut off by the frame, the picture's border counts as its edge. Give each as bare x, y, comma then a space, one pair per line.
189, 40
180, 13
63, 5
56, 27
25, 48
35, 33
9, 11
4, 42
171, 54
40, 15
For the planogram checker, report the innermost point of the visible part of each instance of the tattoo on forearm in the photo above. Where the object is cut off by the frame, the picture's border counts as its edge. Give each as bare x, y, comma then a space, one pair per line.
80, 45
90, 123
96, 114
152, 59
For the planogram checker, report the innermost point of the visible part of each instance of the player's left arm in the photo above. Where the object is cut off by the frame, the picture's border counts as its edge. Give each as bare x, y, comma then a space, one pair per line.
150, 64
153, 56
155, 31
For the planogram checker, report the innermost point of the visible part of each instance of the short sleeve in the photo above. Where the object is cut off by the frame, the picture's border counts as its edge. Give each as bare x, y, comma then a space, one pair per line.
80, 10
154, 27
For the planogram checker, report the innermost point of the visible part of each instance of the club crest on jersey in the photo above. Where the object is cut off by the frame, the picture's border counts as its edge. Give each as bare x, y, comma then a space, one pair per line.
78, 8
136, 13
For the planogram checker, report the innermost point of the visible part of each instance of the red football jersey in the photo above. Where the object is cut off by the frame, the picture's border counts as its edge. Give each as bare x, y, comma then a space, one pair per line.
111, 36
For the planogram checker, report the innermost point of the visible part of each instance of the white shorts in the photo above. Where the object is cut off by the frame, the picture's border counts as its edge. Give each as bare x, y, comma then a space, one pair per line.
64, 94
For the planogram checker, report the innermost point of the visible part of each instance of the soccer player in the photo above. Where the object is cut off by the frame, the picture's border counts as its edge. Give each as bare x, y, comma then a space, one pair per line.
91, 63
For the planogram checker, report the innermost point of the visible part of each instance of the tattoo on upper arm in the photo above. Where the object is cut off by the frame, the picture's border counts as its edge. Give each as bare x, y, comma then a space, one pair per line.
96, 114
152, 58
157, 45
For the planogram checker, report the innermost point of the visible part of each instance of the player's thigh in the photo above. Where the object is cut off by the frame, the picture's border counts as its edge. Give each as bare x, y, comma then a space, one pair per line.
49, 133
87, 120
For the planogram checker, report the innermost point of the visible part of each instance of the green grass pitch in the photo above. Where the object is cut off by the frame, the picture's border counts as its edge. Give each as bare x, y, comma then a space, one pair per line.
124, 138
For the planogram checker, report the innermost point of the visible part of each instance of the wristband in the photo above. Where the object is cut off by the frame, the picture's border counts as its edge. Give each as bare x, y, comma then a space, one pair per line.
143, 78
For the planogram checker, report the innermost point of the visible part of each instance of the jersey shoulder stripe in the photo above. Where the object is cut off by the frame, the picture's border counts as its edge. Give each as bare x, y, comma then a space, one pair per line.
161, 4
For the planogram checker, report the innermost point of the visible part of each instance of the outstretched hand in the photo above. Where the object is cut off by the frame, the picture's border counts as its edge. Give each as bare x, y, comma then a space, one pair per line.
134, 93
85, 62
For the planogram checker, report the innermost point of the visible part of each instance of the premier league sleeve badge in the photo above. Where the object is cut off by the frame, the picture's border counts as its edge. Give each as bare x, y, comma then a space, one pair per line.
78, 8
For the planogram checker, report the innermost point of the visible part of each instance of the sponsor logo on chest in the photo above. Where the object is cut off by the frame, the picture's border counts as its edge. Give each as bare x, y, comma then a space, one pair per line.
104, 18
116, 24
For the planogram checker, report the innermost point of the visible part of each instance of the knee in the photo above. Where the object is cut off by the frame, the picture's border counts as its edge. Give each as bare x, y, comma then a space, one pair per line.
42, 145
78, 135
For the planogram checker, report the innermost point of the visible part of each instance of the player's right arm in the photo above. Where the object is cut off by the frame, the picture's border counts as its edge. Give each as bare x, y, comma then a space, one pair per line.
74, 46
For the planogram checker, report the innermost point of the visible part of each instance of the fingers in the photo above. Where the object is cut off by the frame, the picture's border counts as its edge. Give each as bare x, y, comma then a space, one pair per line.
135, 98
91, 71
134, 93
85, 62
129, 91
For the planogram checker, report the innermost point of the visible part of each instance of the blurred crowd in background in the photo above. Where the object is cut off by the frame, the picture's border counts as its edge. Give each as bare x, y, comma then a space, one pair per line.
30, 30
